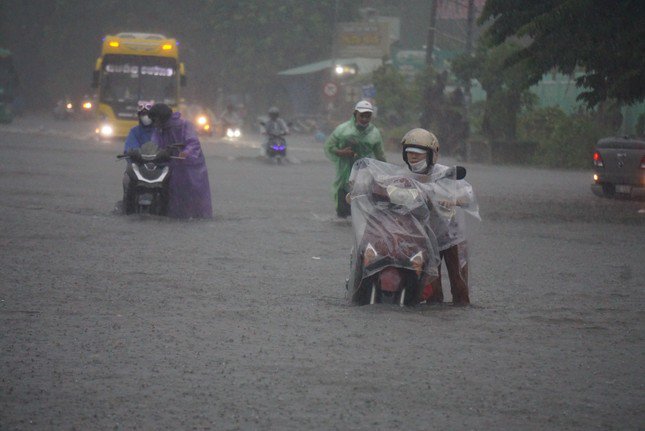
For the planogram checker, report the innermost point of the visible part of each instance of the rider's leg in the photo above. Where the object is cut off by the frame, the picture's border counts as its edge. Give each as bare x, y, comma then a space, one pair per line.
128, 194
458, 278
343, 209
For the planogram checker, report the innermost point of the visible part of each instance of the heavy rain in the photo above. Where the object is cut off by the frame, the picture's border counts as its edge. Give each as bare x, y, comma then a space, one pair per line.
201, 269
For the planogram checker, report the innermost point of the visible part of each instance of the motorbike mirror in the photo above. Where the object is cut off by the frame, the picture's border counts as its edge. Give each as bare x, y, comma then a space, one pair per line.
461, 172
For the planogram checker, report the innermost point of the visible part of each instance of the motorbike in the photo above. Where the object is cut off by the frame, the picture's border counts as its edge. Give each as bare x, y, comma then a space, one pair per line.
233, 131
64, 109
276, 146
87, 107
149, 176
397, 217
204, 125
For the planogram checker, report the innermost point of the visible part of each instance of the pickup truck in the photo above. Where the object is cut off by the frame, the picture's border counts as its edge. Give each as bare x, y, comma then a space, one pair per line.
619, 167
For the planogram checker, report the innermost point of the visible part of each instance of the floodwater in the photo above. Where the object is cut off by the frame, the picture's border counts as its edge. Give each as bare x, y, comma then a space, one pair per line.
240, 322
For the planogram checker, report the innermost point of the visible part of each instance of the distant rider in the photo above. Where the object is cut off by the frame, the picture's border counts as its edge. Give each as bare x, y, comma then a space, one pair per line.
189, 189
230, 118
420, 153
350, 141
139, 135
275, 126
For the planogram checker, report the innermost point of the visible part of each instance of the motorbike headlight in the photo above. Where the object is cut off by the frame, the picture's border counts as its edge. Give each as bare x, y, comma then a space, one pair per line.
369, 255
69, 106
402, 196
87, 106
417, 262
201, 120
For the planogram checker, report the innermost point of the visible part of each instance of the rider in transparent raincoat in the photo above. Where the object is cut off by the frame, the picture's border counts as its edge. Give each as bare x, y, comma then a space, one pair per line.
397, 216
420, 152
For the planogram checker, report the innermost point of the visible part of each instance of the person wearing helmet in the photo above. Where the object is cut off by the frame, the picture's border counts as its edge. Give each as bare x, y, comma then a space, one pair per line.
142, 132
189, 194
420, 152
138, 135
350, 141
275, 126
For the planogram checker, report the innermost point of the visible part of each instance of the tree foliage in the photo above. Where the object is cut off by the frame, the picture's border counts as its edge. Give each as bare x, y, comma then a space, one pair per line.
606, 40
506, 88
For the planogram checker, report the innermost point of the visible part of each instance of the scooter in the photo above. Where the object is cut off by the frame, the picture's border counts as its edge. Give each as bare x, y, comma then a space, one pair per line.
64, 109
276, 146
233, 132
149, 174
87, 108
396, 217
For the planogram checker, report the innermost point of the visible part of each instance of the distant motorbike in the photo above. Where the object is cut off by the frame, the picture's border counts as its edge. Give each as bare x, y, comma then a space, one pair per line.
87, 108
64, 109
396, 219
233, 131
149, 173
204, 125
276, 145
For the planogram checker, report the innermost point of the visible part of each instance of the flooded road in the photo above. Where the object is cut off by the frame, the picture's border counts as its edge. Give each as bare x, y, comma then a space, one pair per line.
240, 322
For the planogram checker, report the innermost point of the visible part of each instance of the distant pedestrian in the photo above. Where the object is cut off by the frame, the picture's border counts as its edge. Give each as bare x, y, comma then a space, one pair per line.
350, 141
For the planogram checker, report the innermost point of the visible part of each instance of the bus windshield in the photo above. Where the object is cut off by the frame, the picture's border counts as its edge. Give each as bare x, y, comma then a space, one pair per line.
130, 78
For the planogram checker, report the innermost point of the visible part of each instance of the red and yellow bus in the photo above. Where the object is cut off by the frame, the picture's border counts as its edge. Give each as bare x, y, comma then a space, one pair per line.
134, 67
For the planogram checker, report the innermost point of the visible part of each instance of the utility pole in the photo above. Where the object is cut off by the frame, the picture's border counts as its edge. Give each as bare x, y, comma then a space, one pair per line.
469, 50
431, 31
469, 39
426, 116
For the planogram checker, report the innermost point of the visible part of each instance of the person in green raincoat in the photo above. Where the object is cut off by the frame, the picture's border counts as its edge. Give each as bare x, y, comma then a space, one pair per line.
350, 141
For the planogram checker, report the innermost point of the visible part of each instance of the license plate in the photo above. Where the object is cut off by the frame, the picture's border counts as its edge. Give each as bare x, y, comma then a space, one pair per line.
622, 188
145, 199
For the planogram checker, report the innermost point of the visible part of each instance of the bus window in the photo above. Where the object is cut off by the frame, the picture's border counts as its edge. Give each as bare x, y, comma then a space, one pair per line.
132, 78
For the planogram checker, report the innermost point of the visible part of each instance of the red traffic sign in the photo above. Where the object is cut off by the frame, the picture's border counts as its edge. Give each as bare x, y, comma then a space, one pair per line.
330, 89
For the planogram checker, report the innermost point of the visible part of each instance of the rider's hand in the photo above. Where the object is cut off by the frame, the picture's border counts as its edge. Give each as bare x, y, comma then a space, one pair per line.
135, 155
345, 152
164, 154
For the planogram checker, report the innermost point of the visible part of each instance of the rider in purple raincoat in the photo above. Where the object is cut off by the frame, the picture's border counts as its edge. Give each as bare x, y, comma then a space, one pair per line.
189, 190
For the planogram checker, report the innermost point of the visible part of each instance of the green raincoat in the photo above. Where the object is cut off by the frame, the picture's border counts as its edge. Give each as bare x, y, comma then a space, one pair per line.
365, 143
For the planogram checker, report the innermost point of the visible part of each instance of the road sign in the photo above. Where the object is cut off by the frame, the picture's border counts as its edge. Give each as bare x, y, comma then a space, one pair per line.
330, 89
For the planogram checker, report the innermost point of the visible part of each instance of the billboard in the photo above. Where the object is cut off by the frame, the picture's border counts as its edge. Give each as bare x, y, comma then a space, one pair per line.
362, 39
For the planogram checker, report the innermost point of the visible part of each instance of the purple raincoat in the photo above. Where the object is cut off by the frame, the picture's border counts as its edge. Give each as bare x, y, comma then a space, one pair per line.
189, 190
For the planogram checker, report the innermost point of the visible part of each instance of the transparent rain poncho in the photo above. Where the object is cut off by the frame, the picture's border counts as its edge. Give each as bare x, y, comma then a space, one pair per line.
403, 219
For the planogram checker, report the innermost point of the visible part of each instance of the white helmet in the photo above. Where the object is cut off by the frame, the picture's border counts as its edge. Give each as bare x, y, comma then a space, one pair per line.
364, 106
422, 140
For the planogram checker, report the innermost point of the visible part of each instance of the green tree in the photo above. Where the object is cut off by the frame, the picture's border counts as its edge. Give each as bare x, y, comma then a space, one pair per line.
397, 99
606, 40
506, 88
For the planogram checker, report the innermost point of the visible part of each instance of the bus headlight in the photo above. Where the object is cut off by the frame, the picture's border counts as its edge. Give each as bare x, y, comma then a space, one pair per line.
106, 130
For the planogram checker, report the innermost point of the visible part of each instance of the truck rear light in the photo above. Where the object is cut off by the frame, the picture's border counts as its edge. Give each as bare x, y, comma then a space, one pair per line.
597, 160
